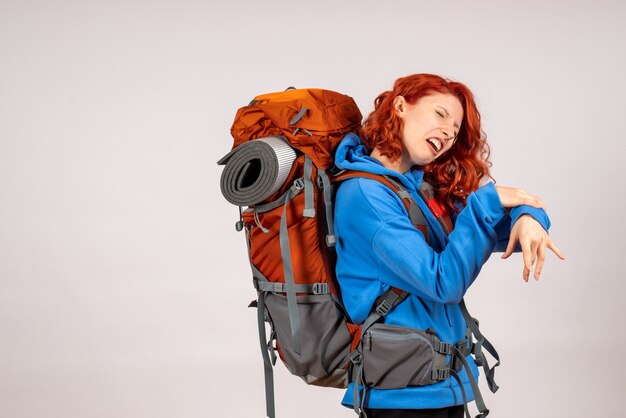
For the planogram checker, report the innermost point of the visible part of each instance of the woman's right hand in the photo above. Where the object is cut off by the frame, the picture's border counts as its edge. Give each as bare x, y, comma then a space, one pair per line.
512, 197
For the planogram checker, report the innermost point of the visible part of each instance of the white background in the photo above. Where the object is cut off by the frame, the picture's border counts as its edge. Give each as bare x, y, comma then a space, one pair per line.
123, 284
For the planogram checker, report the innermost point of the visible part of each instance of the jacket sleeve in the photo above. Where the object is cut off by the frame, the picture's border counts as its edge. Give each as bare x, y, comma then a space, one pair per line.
414, 266
503, 229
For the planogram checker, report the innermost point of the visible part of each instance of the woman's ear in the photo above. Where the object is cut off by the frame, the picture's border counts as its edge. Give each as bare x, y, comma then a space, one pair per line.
399, 105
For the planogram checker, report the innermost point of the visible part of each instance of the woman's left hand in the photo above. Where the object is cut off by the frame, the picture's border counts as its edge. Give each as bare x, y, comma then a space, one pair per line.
534, 240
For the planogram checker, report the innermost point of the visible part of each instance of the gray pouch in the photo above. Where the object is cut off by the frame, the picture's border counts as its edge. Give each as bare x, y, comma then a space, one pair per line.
396, 357
324, 337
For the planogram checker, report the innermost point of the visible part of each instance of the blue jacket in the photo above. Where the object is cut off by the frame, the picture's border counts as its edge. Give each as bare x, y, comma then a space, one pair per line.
377, 247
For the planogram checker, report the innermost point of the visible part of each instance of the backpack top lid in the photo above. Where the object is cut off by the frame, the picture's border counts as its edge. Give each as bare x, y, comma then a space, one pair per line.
312, 120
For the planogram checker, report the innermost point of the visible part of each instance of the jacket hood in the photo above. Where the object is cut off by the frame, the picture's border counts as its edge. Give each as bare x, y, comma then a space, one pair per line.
352, 154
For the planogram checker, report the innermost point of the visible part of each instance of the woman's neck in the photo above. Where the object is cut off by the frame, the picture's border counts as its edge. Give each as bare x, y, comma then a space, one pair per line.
400, 165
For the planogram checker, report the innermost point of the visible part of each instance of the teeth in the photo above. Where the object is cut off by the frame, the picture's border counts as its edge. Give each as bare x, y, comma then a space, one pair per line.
435, 143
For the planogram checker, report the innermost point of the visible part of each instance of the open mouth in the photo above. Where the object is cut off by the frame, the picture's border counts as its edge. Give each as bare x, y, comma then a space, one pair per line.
435, 144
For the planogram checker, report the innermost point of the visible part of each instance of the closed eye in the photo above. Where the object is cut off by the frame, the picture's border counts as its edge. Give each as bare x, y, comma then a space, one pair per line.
439, 113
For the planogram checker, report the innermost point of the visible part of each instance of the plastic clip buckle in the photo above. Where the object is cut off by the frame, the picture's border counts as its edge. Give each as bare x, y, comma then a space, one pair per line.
443, 347
320, 288
478, 359
331, 240
320, 182
440, 374
279, 287
384, 308
298, 184
355, 357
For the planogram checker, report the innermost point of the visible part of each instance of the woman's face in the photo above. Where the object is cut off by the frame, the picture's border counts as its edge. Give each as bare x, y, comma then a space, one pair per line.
430, 127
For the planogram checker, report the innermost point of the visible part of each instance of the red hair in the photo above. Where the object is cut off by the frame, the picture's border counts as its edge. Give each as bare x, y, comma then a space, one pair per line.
458, 171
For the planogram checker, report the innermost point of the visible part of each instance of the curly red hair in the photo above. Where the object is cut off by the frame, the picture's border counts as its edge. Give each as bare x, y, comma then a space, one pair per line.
457, 172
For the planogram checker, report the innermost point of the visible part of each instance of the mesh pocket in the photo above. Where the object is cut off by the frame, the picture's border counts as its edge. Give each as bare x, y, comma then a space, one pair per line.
396, 357
325, 340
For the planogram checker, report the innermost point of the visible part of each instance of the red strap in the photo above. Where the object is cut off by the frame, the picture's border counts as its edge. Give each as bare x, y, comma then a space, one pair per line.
436, 208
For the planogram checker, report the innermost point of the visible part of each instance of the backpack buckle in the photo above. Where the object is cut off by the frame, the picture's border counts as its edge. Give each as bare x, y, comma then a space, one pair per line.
320, 182
320, 288
298, 184
335, 171
384, 307
331, 240
440, 374
355, 357
442, 347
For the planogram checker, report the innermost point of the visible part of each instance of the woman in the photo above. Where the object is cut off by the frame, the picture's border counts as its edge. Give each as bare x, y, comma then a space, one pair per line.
426, 129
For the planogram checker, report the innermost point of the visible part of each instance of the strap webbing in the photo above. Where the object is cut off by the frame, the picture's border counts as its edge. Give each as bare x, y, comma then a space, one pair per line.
273, 205
313, 289
481, 342
298, 116
415, 213
309, 210
458, 379
478, 398
360, 388
267, 364
266, 346
326, 187
389, 300
358, 384
290, 285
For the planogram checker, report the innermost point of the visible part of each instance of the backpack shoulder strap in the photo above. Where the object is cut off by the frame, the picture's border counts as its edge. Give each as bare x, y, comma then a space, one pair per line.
415, 213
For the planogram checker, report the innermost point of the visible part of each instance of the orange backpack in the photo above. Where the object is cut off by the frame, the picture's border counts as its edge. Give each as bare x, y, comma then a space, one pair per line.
278, 173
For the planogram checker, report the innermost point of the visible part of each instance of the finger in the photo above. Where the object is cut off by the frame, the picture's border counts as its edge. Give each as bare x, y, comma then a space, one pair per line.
527, 253
525, 274
528, 258
556, 250
510, 247
533, 252
534, 201
541, 256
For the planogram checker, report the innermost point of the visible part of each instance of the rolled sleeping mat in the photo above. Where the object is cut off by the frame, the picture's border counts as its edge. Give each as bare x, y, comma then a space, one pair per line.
255, 170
